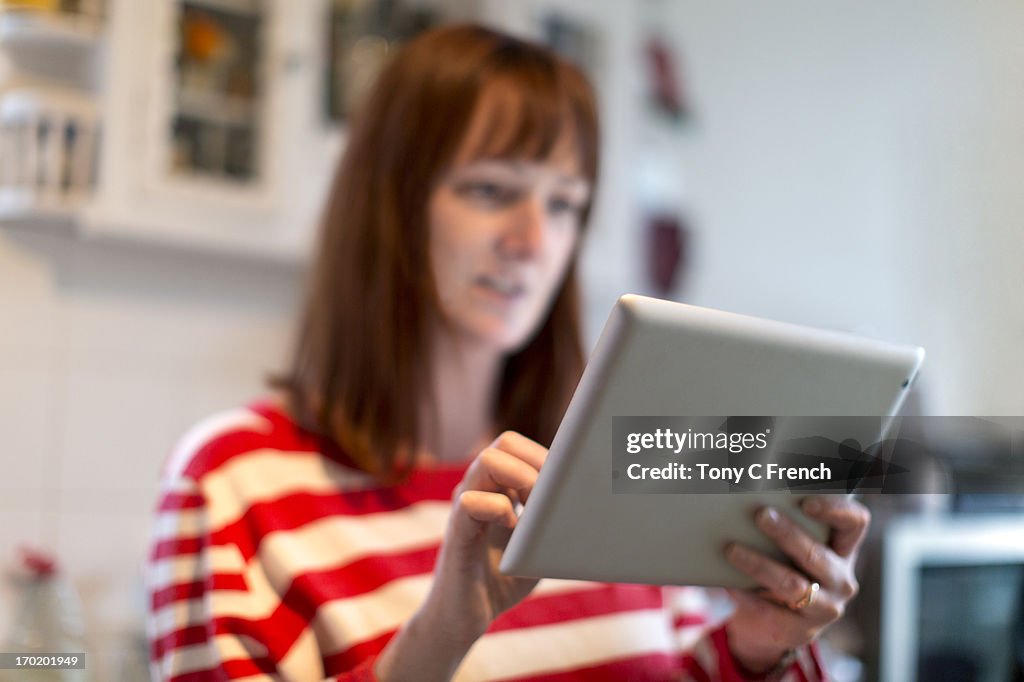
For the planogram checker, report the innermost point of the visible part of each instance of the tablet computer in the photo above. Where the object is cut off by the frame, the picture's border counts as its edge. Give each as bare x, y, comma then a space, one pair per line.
661, 358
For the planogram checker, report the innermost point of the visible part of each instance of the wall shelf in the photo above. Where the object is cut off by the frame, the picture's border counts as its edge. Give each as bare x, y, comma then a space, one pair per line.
33, 30
18, 210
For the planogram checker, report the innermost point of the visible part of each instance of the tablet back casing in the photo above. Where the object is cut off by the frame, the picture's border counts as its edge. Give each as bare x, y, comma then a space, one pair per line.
659, 358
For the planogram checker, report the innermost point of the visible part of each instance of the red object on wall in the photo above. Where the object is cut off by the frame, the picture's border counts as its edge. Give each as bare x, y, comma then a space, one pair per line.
665, 83
666, 251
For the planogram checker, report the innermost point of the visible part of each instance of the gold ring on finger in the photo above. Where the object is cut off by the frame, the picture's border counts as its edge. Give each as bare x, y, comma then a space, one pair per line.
808, 597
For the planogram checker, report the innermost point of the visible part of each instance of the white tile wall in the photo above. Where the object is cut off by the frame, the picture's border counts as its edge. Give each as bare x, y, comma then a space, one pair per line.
29, 317
107, 355
26, 383
116, 409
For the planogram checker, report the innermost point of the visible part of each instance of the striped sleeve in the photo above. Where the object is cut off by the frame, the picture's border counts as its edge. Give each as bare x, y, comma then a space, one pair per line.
206, 618
705, 645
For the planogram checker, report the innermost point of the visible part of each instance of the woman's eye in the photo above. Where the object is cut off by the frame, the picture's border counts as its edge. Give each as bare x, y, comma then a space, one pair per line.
564, 206
491, 192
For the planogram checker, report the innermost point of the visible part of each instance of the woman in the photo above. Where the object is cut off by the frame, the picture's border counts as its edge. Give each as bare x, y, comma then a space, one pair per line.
351, 526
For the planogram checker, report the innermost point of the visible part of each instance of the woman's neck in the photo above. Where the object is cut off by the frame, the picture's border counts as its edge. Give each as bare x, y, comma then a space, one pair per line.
465, 392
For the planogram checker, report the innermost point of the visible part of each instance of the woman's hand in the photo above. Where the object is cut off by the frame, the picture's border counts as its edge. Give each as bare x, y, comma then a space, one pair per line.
789, 612
468, 591
468, 588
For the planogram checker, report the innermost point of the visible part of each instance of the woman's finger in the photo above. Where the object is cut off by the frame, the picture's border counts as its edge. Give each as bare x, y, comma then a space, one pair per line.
496, 470
848, 518
759, 605
474, 509
786, 585
812, 557
521, 447
822, 611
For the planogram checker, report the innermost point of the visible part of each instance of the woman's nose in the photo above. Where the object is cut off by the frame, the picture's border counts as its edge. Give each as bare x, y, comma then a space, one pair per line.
524, 235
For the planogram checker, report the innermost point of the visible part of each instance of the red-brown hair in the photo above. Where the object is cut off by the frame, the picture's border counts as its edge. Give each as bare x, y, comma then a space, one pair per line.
361, 364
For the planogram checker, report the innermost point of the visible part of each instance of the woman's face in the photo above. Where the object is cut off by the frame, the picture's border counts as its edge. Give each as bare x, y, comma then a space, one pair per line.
502, 234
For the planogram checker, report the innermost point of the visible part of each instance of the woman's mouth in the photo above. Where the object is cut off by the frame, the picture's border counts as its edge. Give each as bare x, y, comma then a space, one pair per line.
506, 287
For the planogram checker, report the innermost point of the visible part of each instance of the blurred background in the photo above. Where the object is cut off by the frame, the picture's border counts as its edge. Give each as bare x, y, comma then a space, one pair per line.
855, 166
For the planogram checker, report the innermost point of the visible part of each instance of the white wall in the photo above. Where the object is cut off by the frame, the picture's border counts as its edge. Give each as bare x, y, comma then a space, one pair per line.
858, 166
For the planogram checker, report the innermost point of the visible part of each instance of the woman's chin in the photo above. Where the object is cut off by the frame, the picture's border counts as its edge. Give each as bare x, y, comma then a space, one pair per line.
504, 337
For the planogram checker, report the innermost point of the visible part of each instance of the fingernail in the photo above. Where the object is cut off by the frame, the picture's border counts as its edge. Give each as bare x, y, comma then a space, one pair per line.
768, 517
812, 506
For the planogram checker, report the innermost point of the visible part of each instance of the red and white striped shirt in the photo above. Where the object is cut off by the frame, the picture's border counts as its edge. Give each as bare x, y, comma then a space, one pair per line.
274, 559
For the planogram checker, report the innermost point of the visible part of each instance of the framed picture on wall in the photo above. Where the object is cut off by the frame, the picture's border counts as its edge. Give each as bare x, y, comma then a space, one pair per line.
576, 40
362, 35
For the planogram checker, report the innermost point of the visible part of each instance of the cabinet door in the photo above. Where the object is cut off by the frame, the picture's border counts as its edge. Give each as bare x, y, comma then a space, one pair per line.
211, 107
196, 125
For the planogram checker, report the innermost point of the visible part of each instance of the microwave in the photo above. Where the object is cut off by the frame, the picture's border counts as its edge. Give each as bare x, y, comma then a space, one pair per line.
952, 604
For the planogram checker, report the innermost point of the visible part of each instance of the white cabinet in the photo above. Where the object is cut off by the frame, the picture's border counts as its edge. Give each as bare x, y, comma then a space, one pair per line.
205, 110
